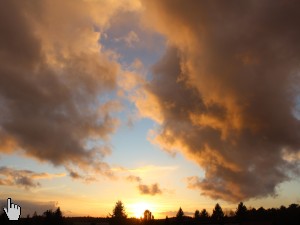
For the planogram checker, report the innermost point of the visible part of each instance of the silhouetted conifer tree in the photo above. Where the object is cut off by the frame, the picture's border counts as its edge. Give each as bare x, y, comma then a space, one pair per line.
119, 215
58, 218
241, 212
218, 213
34, 214
179, 215
197, 214
51, 217
204, 214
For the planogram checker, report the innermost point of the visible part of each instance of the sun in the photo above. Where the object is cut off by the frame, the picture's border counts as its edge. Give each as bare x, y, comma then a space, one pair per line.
138, 209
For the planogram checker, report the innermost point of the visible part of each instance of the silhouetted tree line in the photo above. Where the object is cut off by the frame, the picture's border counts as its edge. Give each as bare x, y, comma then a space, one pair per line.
49, 217
242, 215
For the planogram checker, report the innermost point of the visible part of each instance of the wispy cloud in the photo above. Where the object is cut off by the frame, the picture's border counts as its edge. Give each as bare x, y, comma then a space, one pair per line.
23, 178
152, 168
130, 39
132, 178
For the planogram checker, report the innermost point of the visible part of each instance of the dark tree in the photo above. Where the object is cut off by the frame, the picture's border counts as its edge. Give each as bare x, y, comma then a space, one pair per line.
48, 217
119, 211
260, 213
36, 220
58, 216
241, 212
204, 214
148, 215
51, 217
293, 214
3, 219
179, 214
34, 214
58, 212
25, 221
167, 221
218, 213
119, 215
197, 214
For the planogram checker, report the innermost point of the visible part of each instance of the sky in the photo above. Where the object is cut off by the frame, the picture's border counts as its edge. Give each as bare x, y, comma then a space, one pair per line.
159, 104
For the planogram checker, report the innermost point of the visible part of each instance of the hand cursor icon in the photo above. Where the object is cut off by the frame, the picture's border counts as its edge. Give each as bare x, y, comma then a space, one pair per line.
13, 211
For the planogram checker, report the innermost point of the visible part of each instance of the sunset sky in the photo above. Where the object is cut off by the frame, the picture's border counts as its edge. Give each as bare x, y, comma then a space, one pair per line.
158, 103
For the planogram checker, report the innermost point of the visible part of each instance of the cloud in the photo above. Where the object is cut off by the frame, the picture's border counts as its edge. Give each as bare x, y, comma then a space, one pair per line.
225, 91
149, 189
75, 175
23, 178
55, 82
130, 38
132, 178
144, 189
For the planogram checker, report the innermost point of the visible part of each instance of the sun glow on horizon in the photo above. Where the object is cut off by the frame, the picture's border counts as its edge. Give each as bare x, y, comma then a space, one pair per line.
137, 209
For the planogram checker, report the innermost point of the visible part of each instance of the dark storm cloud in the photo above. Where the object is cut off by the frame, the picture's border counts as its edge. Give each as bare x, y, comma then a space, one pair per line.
149, 189
225, 92
52, 79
